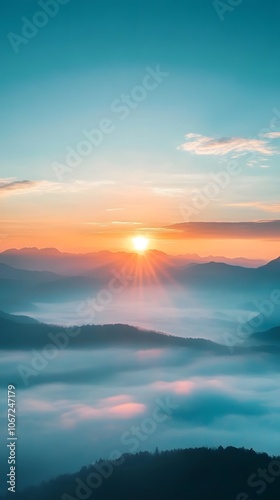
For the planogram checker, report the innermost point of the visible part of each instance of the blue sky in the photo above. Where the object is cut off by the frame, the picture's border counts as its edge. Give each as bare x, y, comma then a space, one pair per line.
223, 83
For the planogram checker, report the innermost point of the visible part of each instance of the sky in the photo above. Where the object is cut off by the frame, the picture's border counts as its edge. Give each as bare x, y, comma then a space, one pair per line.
140, 118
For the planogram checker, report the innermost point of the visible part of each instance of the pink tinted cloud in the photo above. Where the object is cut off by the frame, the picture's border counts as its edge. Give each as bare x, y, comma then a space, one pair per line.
178, 387
127, 410
115, 407
114, 400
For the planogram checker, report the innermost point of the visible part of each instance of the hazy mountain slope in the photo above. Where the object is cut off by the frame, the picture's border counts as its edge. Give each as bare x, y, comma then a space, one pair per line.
25, 333
18, 319
16, 334
21, 289
269, 337
12, 273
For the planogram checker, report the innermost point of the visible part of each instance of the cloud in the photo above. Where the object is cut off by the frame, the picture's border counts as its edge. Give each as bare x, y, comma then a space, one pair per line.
77, 412
178, 386
126, 223
272, 135
229, 230
203, 145
266, 207
204, 407
12, 186
169, 192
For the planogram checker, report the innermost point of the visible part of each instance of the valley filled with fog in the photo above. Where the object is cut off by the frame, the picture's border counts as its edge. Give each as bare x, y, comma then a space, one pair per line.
95, 377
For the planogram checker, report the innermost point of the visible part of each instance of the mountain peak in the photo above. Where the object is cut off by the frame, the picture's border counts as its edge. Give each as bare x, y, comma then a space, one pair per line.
31, 251
273, 264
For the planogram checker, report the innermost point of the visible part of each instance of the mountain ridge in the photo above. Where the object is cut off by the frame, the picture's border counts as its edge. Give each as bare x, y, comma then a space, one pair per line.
163, 475
25, 333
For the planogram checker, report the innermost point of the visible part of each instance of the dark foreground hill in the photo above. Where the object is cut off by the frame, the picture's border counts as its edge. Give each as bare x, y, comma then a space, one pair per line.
20, 332
23, 332
192, 474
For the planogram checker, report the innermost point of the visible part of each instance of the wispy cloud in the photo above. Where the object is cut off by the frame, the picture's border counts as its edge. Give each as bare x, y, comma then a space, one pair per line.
266, 207
272, 135
229, 230
12, 186
169, 192
126, 223
203, 145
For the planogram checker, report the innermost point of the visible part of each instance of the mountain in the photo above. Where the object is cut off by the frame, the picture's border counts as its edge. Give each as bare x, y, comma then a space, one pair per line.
272, 266
81, 277
25, 334
69, 264
11, 273
21, 289
269, 337
224, 276
193, 474
18, 319
236, 261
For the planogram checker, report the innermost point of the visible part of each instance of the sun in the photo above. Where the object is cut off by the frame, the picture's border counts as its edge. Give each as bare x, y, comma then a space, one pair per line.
140, 243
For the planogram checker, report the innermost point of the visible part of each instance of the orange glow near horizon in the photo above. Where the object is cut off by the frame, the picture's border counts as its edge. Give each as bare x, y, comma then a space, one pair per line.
83, 239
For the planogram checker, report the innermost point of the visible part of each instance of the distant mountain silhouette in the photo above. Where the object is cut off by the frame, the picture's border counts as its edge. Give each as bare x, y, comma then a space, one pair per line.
24, 333
224, 276
51, 259
84, 275
69, 264
192, 474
